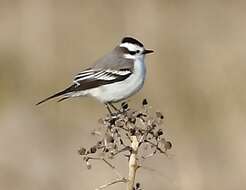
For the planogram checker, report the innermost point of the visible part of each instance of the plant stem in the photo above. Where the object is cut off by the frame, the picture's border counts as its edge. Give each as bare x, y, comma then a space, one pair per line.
133, 164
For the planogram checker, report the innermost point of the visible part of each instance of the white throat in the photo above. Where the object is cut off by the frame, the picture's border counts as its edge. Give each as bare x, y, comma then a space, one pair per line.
135, 57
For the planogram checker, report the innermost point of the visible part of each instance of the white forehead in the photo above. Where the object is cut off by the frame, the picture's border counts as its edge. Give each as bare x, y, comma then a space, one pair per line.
131, 47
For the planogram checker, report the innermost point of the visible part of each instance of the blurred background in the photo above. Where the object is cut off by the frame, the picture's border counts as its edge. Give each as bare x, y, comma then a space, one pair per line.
196, 78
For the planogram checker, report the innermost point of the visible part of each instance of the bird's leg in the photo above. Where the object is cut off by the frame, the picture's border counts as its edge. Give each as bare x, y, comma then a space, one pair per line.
113, 106
107, 106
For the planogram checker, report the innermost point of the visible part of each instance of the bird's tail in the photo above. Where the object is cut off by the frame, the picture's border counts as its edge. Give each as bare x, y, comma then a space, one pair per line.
66, 91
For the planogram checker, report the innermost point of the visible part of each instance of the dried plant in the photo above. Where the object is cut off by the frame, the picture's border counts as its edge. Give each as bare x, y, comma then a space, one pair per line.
133, 134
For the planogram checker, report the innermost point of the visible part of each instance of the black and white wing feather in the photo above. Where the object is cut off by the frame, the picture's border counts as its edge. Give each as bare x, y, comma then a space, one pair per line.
107, 75
109, 69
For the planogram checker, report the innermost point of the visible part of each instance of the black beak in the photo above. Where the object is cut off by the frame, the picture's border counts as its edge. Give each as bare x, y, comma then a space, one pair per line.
147, 51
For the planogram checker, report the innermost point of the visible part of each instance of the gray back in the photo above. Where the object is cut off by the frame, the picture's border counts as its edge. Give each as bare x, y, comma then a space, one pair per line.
114, 60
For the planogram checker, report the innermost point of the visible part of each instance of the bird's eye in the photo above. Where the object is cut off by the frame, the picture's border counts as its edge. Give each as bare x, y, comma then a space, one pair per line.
134, 52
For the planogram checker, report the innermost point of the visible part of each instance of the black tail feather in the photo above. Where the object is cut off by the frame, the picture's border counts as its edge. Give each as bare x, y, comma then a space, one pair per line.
68, 90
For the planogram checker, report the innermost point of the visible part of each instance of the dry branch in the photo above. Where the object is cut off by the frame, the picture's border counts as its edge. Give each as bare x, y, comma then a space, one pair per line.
124, 133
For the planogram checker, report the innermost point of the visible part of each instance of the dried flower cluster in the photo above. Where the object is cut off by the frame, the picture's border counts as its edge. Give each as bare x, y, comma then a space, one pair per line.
134, 134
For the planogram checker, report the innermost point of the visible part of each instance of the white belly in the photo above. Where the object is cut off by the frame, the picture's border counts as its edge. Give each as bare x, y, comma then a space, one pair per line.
121, 90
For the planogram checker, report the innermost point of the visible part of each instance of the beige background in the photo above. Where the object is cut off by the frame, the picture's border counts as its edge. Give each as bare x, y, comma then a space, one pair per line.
196, 78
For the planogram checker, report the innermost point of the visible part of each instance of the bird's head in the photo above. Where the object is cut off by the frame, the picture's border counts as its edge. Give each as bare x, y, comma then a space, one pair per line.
133, 49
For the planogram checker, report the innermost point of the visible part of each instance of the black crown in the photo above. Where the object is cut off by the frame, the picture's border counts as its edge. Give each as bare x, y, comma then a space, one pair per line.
132, 41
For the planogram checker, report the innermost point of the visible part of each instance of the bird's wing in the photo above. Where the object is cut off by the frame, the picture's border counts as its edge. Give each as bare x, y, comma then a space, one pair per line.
102, 75
85, 81
107, 70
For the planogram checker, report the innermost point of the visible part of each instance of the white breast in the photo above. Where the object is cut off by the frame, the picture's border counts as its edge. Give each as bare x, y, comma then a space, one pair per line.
122, 90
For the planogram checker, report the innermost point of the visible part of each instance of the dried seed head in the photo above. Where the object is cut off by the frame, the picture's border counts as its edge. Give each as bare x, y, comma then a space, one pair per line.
132, 120
93, 149
144, 102
115, 133
82, 151
159, 115
159, 132
168, 145
99, 143
132, 131
154, 125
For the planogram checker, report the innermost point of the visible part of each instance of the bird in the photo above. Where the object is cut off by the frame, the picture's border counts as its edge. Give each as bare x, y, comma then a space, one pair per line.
115, 77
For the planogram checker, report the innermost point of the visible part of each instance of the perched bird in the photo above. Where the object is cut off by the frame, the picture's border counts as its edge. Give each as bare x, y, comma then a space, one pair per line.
114, 77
